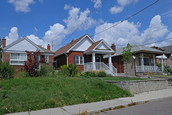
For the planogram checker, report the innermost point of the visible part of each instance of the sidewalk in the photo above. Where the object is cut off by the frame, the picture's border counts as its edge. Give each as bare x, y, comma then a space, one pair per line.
98, 106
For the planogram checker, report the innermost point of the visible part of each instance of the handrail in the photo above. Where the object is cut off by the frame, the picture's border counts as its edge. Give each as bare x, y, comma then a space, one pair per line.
99, 66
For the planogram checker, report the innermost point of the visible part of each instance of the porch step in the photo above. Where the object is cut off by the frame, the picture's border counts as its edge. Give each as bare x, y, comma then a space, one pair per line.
110, 73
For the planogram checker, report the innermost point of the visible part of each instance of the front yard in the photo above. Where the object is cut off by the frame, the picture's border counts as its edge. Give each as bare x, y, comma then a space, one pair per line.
26, 94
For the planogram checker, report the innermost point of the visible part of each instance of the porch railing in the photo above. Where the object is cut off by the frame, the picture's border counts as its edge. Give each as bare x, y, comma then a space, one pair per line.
148, 69
90, 66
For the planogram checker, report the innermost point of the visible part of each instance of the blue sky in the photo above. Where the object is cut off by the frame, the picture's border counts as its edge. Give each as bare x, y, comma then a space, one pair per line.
44, 21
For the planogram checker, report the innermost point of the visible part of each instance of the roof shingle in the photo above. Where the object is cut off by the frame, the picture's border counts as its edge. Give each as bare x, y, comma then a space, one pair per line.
67, 47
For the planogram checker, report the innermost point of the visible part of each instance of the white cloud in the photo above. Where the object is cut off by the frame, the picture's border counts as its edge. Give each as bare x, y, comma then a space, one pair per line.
115, 10
155, 31
76, 20
128, 32
37, 40
166, 42
12, 36
56, 33
97, 3
21, 5
126, 2
121, 4
67, 7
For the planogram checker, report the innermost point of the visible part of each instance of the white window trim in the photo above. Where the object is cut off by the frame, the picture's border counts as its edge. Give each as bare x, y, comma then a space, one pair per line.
79, 60
47, 59
20, 60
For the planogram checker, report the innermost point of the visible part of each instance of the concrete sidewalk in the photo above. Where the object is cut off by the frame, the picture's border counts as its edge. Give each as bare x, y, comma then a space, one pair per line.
98, 106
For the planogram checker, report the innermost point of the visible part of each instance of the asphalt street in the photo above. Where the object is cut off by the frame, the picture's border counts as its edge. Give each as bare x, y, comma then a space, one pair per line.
158, 107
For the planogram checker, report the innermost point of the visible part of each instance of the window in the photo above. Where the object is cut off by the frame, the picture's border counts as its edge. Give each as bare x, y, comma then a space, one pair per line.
18, 58
79, 60
46, 59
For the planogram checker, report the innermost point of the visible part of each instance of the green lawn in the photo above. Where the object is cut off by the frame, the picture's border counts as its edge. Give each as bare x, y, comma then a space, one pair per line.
121, 78
160, 75
26, 94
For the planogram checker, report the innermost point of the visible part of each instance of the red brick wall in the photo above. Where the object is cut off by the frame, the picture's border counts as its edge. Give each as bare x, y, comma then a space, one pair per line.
118, 63
6, 57
70, 59
60, 60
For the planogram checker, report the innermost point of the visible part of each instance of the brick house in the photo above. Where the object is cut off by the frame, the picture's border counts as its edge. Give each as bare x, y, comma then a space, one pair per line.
15, 53
143, 61
86, 54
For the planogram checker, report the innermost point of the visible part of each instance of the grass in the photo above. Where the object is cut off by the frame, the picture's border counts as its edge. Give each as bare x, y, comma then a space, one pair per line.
26, 94
121, 78
160, 75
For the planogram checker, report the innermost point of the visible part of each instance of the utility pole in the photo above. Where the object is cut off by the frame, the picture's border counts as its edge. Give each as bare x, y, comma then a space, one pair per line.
52, 45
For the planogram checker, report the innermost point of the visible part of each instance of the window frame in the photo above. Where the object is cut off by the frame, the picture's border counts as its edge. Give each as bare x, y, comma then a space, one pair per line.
46, 59
79, 60
18, 60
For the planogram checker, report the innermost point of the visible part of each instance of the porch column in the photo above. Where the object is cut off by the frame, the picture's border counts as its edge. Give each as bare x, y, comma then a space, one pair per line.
154, 64
110, 61
162, 67
142, 61
93, 61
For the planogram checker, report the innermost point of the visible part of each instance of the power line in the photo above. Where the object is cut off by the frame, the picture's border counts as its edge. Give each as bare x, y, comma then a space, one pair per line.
126, 18
122, 20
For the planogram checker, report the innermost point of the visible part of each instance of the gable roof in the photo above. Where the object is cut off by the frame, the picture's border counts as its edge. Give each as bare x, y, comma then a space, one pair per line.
45, 50
69, 46
137, 49
93, 46
40, 48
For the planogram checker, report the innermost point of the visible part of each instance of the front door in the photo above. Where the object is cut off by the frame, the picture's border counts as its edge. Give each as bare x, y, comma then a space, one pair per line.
98, 59
98, 65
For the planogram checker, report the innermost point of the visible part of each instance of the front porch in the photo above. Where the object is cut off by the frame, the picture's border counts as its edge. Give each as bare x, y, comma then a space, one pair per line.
96, 63
147, 63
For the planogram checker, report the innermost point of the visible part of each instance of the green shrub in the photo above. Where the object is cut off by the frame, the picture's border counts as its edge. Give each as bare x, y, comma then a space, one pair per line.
168, 70
101, 74
159, 64
22, 74
64, 70
46, 71
71, 70
6, 70
91, 74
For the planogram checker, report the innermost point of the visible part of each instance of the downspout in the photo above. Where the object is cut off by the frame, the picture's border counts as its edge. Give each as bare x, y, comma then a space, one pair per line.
66, 59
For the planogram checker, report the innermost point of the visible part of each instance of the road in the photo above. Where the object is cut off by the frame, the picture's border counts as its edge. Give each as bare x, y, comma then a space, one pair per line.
158, 107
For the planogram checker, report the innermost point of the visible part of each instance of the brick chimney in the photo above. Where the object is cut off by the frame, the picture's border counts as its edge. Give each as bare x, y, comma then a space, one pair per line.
48, 47
3, 42
113, 46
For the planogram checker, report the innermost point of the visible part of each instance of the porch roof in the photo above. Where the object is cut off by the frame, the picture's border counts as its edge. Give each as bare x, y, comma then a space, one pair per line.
139, 49
94, 48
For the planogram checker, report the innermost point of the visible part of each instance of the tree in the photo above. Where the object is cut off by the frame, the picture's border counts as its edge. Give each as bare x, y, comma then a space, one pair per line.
127, 55
32, 64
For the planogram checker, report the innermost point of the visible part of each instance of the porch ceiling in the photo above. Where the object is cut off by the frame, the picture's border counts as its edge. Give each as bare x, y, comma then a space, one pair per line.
105, 52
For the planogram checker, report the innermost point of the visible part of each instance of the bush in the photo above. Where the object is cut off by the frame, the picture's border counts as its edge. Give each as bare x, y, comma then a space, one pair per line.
22, 74
91, 74
101, 74
6, 70
46, 71
168, 70
71, 70
159, 64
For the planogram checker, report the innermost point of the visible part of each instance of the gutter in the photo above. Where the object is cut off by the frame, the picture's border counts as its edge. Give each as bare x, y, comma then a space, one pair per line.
67, 59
